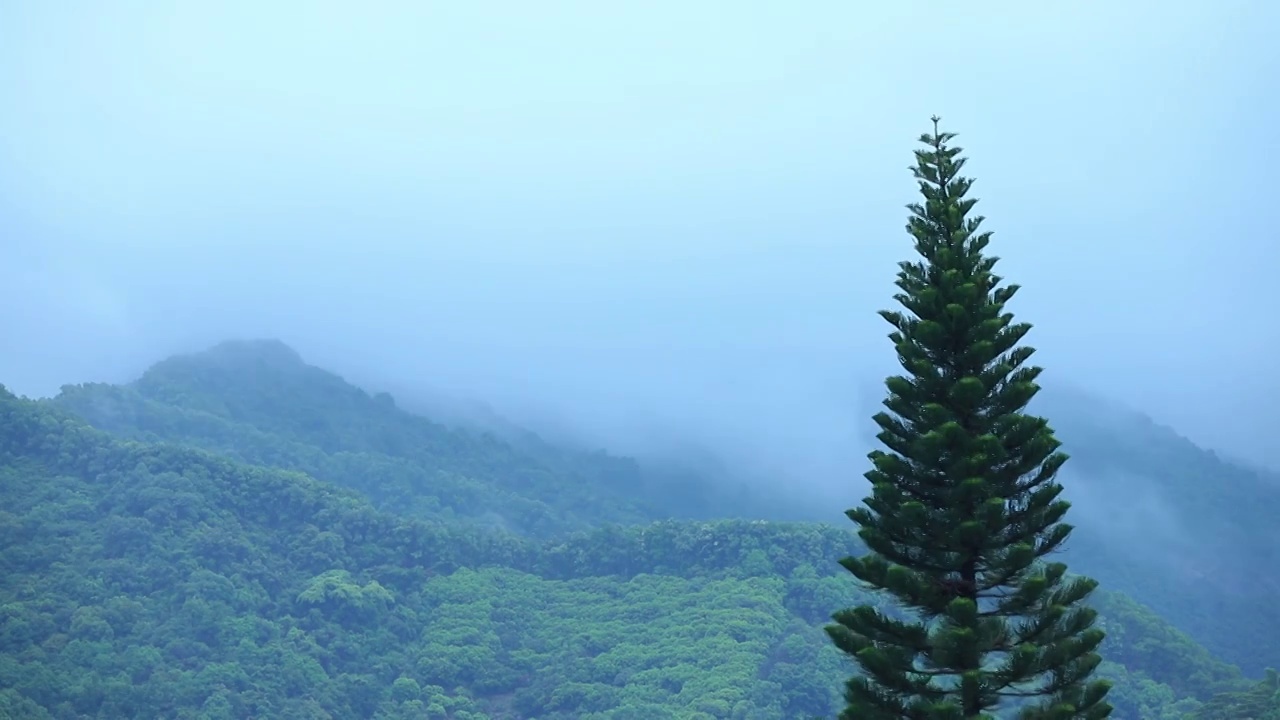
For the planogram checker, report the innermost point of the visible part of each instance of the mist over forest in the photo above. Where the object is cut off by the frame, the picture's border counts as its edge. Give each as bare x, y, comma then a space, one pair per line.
659, 232
688, 235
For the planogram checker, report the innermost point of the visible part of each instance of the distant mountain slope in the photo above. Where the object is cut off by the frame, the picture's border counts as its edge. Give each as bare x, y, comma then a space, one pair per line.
1176, 527
143, 581
259, 402
1192, 535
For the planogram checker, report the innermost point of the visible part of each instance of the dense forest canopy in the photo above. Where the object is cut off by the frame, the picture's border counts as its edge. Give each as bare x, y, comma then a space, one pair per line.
238, 534
258, 402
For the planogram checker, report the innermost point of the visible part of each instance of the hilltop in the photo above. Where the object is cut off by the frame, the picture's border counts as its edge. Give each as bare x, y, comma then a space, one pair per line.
259, 402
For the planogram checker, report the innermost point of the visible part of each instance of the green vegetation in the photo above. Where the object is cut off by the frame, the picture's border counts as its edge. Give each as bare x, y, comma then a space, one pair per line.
159, 575
965, 505
1260, 702
239, 534
257, 402
1216, 573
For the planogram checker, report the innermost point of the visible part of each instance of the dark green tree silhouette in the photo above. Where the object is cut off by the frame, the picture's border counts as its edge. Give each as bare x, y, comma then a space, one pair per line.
964, 505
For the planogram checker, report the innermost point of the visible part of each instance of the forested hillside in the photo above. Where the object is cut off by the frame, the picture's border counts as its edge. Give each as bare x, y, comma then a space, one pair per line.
1210, 563
1186, 532
258, 402
267, 541
148, 581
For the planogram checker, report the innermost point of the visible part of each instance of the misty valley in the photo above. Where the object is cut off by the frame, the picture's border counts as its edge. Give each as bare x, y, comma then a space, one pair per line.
240, 534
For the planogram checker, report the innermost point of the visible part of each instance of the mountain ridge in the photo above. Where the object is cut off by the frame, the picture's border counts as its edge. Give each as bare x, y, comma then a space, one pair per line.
218, 589
1214, 585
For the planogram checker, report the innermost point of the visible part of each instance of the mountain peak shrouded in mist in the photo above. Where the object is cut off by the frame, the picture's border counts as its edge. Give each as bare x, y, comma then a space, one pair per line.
247, 362
540, 205
233, 395
259, 350
1207, 525
236, 590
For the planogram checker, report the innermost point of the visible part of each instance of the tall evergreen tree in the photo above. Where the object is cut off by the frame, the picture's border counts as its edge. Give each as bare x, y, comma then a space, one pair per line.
964, 504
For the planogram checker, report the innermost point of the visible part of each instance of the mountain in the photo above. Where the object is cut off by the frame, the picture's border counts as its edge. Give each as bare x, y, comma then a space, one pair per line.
146, 580
258, 402
1176, 527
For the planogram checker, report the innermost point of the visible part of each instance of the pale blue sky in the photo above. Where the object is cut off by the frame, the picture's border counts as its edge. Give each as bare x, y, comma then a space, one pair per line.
684, 212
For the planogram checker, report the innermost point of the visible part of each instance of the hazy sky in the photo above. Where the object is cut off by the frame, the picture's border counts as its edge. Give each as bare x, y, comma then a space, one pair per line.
669, 212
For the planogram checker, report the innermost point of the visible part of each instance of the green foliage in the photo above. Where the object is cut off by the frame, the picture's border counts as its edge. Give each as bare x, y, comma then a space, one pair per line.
964, 506
258, 402
154, 581
1138, 638
336, 591
1259, 702
144, 580
1216, 576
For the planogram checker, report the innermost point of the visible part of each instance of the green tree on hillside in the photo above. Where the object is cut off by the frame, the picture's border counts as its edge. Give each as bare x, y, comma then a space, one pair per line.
964, 505
1259, 702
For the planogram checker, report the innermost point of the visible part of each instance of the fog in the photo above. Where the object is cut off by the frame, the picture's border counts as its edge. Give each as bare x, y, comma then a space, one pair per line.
641, 223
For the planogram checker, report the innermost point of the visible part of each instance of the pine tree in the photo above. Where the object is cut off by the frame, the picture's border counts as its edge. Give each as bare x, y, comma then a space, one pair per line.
964, 506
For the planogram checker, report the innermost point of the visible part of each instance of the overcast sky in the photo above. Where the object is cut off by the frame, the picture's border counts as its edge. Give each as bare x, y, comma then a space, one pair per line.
674, 213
